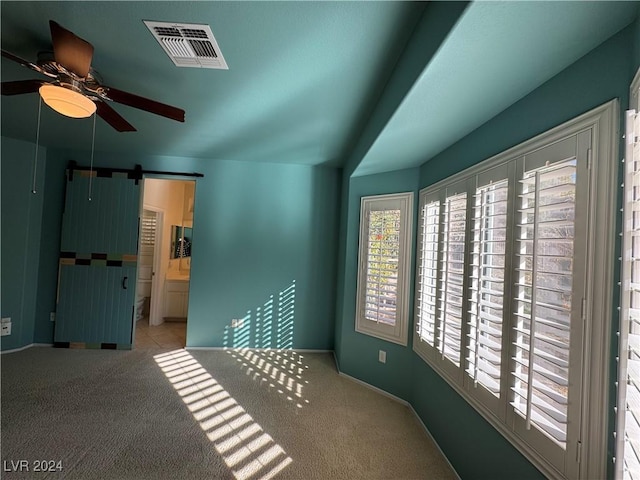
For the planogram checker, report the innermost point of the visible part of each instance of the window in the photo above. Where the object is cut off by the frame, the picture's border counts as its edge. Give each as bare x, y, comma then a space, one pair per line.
510, 308
383, 266
627, 455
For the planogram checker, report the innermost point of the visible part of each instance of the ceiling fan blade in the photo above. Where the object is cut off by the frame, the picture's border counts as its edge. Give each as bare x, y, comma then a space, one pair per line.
113, 118
71, 51
145, 104
21, 61
20, 86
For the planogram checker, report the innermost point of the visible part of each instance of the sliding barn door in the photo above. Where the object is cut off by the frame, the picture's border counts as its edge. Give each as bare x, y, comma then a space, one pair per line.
97, 276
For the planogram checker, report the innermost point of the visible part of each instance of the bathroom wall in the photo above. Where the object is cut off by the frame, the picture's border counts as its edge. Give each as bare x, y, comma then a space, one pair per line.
168, 196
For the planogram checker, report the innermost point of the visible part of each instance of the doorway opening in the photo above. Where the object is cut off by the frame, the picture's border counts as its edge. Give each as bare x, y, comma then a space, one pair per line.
164, 263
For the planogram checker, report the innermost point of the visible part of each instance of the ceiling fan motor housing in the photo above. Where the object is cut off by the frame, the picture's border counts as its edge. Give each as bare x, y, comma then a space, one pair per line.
67, 100
70, 83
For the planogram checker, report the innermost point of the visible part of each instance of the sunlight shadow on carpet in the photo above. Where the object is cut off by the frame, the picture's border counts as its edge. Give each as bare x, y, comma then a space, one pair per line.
281, 370
248, 451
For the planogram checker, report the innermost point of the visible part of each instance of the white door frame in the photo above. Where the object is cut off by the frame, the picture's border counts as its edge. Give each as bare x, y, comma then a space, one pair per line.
156, 303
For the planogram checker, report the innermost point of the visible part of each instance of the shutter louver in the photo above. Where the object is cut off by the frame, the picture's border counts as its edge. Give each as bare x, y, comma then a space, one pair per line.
382, 266
428, 272
484, 345
544, 297
452, 277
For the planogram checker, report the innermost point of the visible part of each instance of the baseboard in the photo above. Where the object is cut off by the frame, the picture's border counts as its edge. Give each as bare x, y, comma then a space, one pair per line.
401, 401
374, 388
14, 350
301, 350
206, 348
311, 350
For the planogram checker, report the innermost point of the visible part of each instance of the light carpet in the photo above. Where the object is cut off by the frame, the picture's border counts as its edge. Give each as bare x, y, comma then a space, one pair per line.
234, 414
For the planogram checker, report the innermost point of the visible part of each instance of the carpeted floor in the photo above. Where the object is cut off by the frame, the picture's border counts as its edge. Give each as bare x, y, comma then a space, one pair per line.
174, 414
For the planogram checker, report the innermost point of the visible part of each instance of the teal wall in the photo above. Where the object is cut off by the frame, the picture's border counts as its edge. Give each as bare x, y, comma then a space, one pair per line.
21, 225
357, 354
475, 448
262, 232
49, 248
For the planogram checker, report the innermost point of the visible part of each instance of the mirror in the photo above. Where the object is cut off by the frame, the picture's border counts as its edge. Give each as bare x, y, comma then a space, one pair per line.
180, 241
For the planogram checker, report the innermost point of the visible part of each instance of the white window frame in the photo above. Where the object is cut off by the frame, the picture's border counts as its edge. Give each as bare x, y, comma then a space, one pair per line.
397, 333
589, 433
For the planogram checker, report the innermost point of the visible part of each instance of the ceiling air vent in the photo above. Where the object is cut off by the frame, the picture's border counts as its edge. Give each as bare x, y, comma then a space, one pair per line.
188, 44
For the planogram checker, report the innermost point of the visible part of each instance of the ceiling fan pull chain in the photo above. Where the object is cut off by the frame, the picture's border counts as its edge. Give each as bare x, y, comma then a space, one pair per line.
35, 160
93, 142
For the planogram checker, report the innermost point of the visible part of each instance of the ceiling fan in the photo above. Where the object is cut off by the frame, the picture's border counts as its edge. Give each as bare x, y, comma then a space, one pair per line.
76, 90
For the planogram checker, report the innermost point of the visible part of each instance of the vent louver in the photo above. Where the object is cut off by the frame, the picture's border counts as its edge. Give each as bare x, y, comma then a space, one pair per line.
188, 45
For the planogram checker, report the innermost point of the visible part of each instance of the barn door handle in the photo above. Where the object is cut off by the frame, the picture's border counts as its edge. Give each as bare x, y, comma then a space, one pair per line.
124, 282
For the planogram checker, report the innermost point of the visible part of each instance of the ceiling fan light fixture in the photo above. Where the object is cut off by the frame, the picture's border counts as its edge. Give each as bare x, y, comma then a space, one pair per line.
67, 102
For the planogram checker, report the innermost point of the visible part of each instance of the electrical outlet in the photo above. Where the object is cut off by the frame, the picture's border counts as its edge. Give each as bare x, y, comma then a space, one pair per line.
237, 322
5, 326
382, 356
52, 317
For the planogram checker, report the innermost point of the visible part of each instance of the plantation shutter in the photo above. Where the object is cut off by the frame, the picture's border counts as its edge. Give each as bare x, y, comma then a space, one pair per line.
148, 229
516, 322
544, 297
452, 276
428, 271
484, 344
383, 250
628, 447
